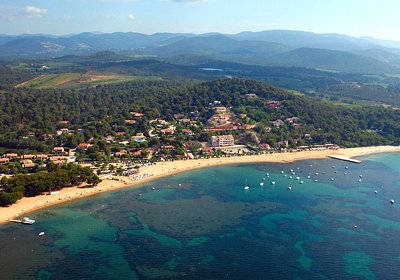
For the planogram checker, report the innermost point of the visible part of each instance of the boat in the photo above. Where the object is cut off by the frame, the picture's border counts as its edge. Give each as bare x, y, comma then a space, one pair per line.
153, 188
272, 183
392, 201
282, 172
359, 181
41, 233
315, 180
25, 220
246, 187
355, 226
375, 191
297, 178
289, 188
301, 182
261, 184
263, 179
332, 179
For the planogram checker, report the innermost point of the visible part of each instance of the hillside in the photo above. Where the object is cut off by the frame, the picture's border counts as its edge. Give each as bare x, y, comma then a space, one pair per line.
102, 111
275, 47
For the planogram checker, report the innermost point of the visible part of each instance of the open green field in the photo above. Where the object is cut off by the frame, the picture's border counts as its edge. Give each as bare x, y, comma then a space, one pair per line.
74, 80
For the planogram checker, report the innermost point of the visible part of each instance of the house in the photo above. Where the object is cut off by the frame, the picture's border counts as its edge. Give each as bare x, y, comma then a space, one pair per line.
220, 109
292, 120
277, 123
83, 146
58, 160
167, 131
138, 138
136, 114
11, 155
221, 128
120, 153
264, 146
284, 143
195, 114
178, 116
168, 147
207, 150
4, 160
137, 153
27, 163
187, 132
273, 104
130, 122
251, 95
58, 150
41, 156
28, 156
222, 141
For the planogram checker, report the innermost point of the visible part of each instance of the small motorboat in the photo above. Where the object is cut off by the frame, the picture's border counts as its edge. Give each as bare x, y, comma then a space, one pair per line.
41, 233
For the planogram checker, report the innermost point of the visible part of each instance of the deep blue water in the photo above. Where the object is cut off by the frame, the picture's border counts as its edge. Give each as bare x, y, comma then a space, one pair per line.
210, 228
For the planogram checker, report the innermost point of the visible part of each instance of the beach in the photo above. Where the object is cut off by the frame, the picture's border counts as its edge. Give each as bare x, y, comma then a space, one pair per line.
160, 169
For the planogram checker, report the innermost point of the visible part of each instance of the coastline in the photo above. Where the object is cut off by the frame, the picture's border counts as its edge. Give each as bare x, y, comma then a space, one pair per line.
162, 169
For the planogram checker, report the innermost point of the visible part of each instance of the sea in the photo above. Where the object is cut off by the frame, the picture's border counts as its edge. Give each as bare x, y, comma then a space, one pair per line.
321, 219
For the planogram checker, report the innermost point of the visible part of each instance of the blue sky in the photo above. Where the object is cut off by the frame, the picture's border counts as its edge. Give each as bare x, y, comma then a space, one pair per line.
376, 18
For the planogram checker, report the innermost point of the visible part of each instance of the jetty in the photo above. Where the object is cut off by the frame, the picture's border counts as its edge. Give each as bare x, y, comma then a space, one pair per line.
345, 159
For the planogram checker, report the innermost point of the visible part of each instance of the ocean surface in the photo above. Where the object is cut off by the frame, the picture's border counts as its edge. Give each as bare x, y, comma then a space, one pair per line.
203, 225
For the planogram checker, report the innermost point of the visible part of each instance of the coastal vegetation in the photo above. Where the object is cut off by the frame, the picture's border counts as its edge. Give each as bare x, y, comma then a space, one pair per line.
56, 178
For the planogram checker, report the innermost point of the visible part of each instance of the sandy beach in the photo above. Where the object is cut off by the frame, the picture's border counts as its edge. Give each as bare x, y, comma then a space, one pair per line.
29, 204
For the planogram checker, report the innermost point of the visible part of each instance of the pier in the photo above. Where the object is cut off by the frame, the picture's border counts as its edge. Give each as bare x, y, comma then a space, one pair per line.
345, 159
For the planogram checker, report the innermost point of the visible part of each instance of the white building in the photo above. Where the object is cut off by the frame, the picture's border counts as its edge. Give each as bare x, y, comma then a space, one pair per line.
222, 141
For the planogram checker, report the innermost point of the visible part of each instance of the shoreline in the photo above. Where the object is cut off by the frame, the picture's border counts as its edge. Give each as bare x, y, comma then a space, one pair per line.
162, 169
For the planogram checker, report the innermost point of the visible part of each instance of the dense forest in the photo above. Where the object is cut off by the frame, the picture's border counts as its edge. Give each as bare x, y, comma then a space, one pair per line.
101, 110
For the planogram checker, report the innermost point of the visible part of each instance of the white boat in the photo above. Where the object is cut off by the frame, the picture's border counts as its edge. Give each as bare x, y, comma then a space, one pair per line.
375, 191
289, 188
263, 179
301, 182
261, 184
282, 172
315, 180
355, 226
392, 201
153, 188
272, 183
290, 177
246, 187
25, 220
308, 177
361, 176
359, 181
332, 179
297, 178
41, 233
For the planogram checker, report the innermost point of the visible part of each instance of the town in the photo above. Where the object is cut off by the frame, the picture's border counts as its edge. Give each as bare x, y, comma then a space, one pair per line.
221, 132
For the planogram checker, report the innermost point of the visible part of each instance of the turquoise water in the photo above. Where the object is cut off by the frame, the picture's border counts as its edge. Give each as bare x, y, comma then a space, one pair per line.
203, 225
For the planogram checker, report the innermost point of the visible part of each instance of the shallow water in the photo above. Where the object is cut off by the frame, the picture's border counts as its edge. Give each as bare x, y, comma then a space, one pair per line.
210, 228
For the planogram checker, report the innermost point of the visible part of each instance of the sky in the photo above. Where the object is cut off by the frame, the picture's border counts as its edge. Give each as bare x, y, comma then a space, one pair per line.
375, 18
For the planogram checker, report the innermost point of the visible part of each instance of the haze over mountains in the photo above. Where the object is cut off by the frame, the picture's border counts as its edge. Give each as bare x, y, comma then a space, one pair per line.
267, 48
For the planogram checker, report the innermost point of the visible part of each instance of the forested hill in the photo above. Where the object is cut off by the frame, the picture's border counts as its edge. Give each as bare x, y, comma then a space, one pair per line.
102, 110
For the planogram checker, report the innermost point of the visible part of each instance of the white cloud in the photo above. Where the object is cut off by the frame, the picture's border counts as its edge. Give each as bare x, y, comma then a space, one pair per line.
32, 11
131, 17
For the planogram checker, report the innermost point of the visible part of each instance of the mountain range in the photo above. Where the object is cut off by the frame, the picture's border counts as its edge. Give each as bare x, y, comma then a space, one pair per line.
333, 52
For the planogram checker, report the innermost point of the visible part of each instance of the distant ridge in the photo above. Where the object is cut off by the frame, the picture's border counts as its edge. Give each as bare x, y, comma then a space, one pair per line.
267, 48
